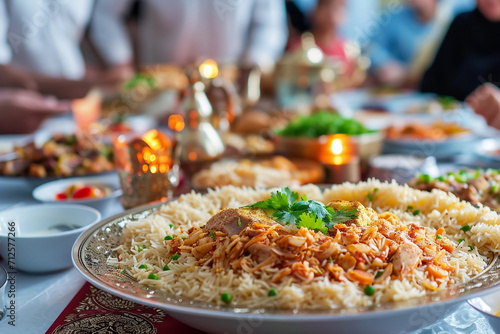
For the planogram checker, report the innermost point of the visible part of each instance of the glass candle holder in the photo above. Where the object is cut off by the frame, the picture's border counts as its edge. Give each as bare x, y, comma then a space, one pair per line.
339, 156
146, 167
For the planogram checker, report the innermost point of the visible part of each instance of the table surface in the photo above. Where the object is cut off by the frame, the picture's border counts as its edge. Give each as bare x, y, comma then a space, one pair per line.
41, 298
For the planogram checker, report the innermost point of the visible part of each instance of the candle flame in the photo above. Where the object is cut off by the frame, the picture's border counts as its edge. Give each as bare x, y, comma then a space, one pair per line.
336, 146
209, 69
154, 157
176, 123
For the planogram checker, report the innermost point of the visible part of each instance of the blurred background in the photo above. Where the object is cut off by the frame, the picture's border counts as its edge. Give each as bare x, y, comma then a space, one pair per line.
296, 53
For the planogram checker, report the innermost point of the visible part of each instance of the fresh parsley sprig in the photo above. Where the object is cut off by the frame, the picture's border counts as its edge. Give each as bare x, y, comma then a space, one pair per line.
286, 207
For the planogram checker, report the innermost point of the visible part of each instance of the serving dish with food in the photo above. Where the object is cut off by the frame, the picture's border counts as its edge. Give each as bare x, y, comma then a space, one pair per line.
101, 192
272, 172
62, 155
437, 138
304, 135
475, 186
356, 257
57, 156
437, 131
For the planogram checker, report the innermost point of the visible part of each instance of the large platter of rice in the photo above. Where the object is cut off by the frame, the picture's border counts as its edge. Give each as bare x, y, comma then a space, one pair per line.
148, 255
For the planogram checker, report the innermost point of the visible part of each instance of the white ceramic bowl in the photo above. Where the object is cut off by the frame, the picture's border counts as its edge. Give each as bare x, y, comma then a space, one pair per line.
46, 193
31, 241
489, 306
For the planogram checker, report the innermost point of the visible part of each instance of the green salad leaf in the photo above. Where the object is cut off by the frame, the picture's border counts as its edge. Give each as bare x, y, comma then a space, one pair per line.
322, 123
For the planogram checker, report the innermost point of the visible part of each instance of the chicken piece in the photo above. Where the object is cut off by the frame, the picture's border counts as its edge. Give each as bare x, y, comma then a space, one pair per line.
406, 258
233, 221
36, 170
260, 252
364, 216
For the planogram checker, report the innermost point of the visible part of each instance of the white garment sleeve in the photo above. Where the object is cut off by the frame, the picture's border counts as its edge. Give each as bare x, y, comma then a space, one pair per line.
109, 33
5, 50
268, 33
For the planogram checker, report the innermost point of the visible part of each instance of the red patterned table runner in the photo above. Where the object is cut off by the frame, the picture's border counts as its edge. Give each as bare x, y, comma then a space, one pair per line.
95, 311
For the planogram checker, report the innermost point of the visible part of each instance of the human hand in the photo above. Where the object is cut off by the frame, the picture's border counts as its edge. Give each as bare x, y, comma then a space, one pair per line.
22, 111
12, 76
485, 101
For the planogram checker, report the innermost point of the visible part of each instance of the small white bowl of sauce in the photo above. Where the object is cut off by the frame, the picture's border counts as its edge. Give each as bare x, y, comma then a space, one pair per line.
39, 238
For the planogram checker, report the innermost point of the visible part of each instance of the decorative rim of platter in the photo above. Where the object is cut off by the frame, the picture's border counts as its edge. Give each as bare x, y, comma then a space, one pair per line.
93, 248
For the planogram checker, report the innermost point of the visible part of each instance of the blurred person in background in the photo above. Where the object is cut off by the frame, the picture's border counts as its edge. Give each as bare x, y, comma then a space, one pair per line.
469, 55
327, 18
21, 109
359, 14
406, 43
40, 47
249, 32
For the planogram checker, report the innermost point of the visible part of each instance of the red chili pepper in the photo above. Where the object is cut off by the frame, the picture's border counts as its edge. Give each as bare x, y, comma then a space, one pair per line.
61, 196
83, 192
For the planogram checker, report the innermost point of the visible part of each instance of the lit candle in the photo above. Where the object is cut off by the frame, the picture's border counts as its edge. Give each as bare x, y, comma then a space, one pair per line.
339, 155
144, 166
209, 69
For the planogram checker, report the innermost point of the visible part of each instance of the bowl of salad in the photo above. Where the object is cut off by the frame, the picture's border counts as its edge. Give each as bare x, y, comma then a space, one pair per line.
100, 192
303, 136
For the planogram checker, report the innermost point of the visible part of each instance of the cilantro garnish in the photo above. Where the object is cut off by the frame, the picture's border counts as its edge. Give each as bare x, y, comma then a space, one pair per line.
343, 215
212, 234
287, 208
311, 222
371, 195
239, 221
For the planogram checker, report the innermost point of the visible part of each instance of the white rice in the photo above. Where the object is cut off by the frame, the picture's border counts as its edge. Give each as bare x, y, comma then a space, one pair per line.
436, 209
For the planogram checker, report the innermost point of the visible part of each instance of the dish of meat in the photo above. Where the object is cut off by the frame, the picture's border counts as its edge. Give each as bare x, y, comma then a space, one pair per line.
63, 155
349, 256
438, 139
437, 131
474, 186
